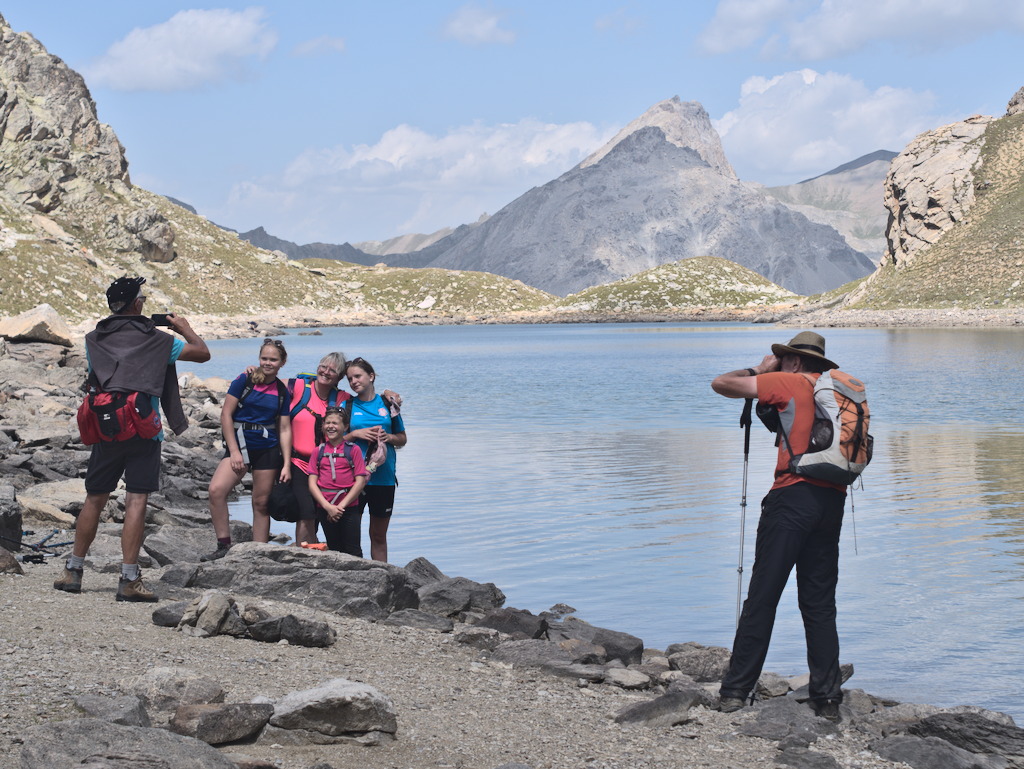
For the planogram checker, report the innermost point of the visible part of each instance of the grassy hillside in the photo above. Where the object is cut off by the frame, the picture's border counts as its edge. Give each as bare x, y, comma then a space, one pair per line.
704, 281
978, 263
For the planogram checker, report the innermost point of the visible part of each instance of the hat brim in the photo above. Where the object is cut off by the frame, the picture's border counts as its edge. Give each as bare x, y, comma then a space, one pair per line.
781, 349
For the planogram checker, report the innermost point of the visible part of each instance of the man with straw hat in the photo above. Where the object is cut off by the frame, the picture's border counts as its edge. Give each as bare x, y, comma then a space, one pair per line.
800, 522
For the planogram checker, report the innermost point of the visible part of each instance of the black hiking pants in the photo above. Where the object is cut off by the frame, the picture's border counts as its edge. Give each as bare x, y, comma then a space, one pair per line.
799, 526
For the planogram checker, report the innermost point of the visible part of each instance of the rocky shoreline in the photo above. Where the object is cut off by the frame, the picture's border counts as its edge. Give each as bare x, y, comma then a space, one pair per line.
807, 316
284, 657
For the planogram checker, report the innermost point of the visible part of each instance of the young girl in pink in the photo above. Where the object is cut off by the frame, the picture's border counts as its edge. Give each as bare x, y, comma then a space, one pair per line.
336, 479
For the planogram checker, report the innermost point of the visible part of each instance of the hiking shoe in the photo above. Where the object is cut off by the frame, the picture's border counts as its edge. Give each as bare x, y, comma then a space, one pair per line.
217, 554
70, 581
828, 709
730, 704
134, 590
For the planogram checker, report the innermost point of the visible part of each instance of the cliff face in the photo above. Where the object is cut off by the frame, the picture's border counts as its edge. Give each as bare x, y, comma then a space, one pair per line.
955, 197
59, 160
654, 195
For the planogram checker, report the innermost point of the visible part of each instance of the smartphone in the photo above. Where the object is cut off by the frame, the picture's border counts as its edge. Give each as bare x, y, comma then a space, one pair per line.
160, 319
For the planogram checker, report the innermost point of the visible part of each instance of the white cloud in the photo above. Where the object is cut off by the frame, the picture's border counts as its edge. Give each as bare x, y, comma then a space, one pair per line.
187, 51
804, 123
411, 180
320, 45
822, 29
474, 25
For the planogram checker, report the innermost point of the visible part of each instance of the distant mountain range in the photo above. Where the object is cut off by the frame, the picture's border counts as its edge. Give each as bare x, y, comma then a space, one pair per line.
659, 191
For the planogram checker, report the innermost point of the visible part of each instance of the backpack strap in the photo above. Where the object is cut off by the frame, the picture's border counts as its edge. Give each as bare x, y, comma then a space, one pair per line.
307, 385
347, 451
246, 391
282, 396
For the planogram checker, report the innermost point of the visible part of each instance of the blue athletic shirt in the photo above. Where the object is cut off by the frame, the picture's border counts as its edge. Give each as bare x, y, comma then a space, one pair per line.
375, 413
260, 408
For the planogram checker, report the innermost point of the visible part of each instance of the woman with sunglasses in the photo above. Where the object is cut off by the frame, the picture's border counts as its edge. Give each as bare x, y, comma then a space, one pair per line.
375, 420
310, 399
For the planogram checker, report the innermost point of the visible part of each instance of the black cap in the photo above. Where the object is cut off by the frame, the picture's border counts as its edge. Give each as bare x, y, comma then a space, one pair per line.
123, 292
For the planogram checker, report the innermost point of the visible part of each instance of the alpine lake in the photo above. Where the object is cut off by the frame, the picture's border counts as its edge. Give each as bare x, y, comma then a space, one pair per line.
593, 465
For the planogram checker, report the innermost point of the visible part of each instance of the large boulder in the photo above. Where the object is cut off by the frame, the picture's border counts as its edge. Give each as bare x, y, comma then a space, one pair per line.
168, 688
618, 645
334, 710
40, 324
320, 580
94, 742
454, 597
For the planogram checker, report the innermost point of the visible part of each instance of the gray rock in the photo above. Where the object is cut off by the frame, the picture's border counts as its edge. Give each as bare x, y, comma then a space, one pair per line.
420, 619
975, 733
218, 724
420, 572
584, 652
801, 684
294, 630
670, 709
517, 623
40, 324
126, 710
702, 663
592, 673
785, 718
169, 614
772, 685
10, 519
479, 637
67, 744
933, 753
453, 597
8, 563
626, 678
802, 758
363, 608
164, 689
320, 580
205, 616
336, 707
531, 653
622, 646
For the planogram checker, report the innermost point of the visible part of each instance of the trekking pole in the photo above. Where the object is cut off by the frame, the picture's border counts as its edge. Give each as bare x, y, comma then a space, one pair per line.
745, 422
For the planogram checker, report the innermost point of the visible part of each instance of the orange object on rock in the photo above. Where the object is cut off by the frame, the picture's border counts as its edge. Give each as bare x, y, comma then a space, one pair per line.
314, 545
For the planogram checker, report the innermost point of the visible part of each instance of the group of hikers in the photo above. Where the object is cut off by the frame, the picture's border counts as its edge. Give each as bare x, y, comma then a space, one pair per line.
337, 450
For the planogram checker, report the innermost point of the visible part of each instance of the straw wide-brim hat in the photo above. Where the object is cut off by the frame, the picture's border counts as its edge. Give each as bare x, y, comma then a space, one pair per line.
806, 343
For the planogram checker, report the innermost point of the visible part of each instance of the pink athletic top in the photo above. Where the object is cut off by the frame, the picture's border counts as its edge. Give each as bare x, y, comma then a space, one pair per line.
344, 475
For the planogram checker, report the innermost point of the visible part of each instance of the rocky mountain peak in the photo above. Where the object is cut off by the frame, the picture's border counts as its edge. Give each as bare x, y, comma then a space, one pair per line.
60, 163
684, 124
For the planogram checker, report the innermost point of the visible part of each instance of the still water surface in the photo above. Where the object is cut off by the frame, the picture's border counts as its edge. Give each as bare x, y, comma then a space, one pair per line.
593, 465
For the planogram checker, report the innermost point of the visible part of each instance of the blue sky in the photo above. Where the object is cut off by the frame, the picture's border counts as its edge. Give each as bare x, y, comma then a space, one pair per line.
343, 121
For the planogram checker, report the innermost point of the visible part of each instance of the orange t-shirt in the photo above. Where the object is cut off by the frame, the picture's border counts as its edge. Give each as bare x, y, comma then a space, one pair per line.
793, 395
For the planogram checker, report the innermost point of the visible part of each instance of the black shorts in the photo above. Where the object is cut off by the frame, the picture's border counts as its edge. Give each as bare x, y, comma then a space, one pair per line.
137, 459
300, 485
263, 459
380, 500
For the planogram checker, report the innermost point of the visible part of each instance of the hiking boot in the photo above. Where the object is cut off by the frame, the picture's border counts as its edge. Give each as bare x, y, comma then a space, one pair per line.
730, 704
70, 581
134, 590
828, 709
220, 552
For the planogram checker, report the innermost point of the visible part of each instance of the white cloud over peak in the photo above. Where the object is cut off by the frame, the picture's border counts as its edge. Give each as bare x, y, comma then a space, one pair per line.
189, 50
803, 123
411, 180
325, 44
822, 29
474, 25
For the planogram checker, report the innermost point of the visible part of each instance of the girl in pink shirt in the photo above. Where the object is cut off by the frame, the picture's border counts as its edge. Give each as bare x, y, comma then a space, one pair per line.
337, 475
